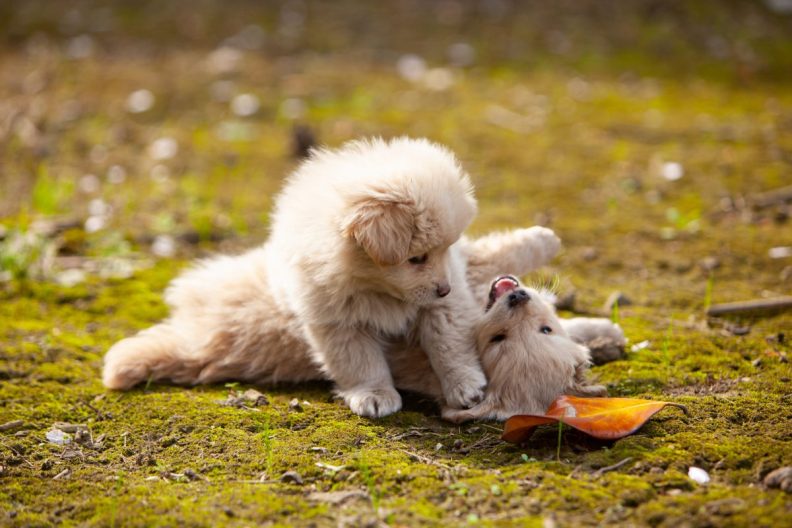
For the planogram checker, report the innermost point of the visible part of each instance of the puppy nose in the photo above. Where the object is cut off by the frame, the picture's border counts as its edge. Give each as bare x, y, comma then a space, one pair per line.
443, 289
518, 297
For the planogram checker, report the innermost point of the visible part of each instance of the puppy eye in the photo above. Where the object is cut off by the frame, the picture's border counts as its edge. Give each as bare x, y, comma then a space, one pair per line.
497, 338
546, 330
419, 260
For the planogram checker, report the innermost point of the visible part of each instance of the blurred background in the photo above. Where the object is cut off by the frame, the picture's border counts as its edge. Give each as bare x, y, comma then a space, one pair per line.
163, 128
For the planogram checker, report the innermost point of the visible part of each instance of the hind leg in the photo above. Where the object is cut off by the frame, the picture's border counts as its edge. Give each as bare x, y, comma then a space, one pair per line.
514, 252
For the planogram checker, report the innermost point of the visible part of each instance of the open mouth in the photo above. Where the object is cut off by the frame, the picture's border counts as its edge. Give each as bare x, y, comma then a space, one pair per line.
501, 286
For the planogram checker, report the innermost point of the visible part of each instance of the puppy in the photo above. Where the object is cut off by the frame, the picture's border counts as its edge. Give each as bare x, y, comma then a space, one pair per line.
363, 252
527, 354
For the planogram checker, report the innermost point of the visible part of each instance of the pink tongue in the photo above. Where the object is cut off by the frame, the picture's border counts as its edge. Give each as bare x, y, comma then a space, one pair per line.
503, 286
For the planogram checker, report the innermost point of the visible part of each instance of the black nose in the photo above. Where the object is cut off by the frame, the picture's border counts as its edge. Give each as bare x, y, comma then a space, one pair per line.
518, 297
443, 290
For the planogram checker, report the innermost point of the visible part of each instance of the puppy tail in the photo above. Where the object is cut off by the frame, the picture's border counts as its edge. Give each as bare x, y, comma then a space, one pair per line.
157, 353
483, 411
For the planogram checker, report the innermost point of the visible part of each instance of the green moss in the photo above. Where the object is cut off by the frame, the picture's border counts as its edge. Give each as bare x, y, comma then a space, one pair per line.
604, 114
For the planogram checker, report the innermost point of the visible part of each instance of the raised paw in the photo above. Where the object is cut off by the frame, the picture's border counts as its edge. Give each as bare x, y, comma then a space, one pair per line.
372, 402
466, 391
543, 240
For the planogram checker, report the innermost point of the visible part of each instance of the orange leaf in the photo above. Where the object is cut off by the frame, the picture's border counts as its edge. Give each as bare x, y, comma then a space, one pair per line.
604, 418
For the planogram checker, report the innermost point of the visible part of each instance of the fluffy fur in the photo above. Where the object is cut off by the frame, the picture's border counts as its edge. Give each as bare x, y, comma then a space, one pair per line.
256, 341
363, 252
528, 355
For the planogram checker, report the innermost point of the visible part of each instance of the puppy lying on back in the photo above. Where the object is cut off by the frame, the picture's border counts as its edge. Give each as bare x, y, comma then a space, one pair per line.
362, 252
527, 354
530, 356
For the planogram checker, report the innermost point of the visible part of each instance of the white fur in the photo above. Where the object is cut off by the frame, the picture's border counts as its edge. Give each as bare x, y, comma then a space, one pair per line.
334, 281
226, 324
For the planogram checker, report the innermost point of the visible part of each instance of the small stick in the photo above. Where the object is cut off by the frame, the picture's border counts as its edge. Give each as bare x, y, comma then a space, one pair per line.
773, 197
617, 465
11, 425
424, 459
777, 303
63, 474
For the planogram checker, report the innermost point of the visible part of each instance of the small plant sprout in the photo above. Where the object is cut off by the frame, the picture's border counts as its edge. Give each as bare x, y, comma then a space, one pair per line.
708, 291
368, 479
558, 447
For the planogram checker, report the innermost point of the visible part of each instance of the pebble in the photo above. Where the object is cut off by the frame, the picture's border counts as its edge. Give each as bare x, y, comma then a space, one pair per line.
589, 253
672, 171
164, 246
738, 330
411, 67
255, 397
58, 437
709, 263
295, 405
698, 475
245, 105
780, 478
14, 424
140, 101
292, 477
163, 148
780, 252
614, 298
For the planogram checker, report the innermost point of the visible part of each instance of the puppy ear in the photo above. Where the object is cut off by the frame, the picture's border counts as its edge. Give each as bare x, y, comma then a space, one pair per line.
383, 228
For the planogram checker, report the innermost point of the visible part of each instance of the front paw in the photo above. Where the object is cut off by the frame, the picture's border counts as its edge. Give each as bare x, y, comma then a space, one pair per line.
466, 391
372, 402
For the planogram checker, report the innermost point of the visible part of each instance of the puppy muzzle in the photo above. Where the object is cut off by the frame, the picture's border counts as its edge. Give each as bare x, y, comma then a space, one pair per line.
518, 297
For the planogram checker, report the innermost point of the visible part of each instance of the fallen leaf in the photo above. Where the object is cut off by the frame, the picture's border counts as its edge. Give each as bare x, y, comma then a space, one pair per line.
604, 418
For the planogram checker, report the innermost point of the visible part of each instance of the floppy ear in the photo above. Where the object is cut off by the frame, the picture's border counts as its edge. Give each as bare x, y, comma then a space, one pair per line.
383, 228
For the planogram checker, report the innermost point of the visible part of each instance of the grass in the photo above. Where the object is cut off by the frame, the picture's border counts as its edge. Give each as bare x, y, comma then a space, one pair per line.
558, 120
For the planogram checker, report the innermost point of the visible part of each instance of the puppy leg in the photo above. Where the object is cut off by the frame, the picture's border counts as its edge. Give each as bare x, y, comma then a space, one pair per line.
515, 252
584, 330
483, 411
356, 362
445, 333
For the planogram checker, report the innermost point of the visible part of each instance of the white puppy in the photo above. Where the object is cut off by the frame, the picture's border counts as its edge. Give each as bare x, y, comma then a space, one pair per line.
362, 253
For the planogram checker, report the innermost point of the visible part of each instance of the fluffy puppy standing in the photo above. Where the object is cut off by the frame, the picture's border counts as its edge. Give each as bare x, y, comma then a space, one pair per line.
362, 253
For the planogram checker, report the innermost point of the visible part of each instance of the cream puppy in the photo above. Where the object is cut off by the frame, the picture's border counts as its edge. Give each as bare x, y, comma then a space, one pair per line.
363, 252
527, 354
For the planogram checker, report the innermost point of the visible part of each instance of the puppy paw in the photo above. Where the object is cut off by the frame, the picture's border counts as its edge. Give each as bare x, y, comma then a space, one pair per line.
590, 391
543, 240
456, 416
373, 402
466, 392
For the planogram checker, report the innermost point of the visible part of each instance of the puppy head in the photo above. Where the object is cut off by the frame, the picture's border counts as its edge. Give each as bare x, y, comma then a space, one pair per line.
527, 356
406, 216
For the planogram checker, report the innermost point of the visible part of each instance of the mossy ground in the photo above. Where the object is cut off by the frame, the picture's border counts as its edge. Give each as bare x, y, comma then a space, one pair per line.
566, 116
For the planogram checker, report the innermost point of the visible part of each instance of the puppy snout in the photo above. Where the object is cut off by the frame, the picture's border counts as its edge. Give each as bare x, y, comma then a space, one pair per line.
518, 297
443, 289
